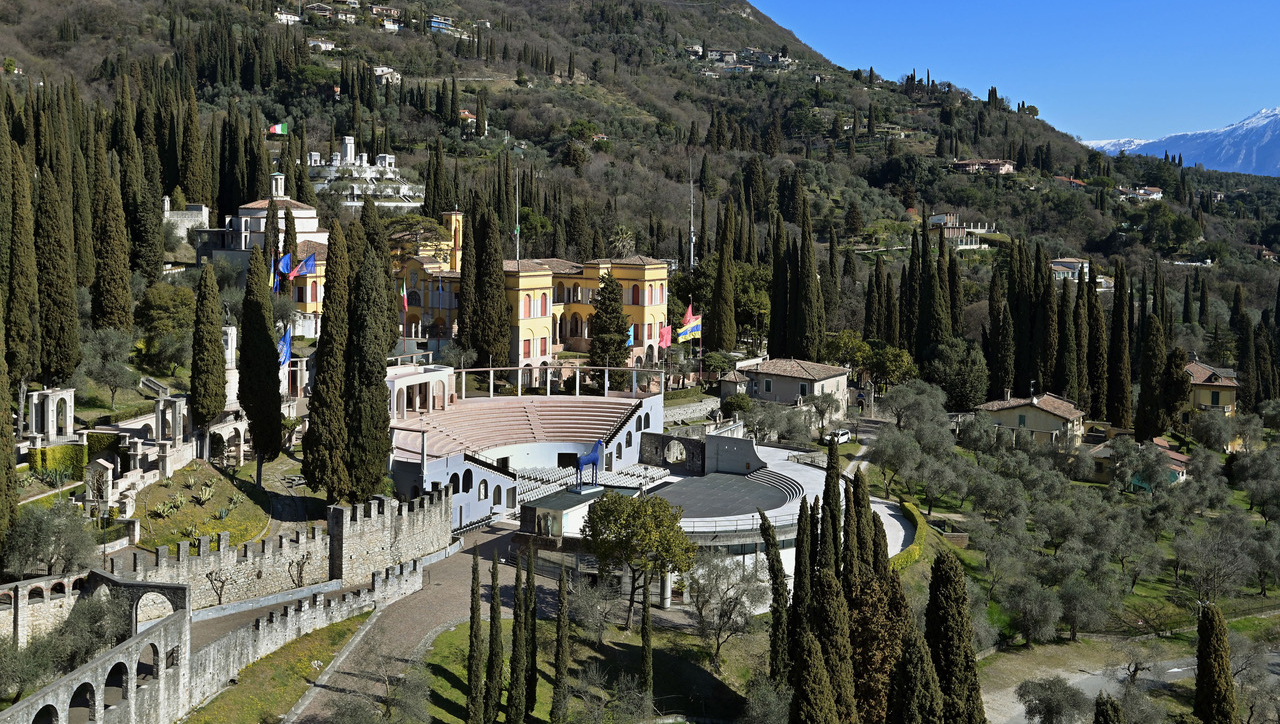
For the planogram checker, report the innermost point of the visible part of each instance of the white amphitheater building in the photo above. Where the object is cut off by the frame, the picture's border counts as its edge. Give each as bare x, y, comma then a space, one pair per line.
515, 455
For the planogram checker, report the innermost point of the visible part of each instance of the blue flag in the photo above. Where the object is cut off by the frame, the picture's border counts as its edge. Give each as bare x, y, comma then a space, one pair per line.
286, 264
285, 347
631, 336
309, 265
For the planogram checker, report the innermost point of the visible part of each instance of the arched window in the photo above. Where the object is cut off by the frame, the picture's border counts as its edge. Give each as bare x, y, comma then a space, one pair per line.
646, 420
466, 481
542, 307
638, 421
415, 299
628, 438
35, 595
525, 310
617, 452
484, 490
497, 495
560, 292
635, 293
315, 291
453, 483
662, 293
649, 294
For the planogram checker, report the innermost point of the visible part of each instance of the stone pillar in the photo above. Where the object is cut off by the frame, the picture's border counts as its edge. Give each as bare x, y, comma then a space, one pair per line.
158, 419
166, 470
135, 454
664, 587
606, 381
34, 413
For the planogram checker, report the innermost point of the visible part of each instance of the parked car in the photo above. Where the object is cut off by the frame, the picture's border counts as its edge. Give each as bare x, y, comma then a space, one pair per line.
841, 436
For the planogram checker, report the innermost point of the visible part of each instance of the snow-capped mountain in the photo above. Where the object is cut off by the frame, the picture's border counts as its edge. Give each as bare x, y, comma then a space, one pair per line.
1250, 146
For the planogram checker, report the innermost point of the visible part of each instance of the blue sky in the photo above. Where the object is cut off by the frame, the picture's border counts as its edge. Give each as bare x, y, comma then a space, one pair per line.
1099, 70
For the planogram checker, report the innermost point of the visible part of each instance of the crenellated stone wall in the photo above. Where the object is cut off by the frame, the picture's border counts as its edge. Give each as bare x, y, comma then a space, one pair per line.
384, 532
251, 570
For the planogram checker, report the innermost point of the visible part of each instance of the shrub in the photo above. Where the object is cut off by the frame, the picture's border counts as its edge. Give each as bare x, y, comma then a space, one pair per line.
912, 553
735, 403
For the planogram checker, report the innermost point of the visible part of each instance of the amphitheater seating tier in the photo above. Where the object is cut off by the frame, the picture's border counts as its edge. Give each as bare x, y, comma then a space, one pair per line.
477, 425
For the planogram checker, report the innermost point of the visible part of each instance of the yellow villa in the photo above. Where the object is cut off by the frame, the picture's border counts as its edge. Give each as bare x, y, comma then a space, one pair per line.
551, 300
1212, 389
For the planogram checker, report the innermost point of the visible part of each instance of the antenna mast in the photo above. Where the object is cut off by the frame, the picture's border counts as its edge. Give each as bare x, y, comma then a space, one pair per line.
517, 216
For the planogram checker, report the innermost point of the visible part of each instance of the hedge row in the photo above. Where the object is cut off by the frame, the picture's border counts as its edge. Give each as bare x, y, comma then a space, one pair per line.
73, 458
912, 553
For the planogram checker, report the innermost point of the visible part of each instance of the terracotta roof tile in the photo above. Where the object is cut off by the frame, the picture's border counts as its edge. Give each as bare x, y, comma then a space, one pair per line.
798, 368
1050, 403
281, 204
1203, 374
307, 248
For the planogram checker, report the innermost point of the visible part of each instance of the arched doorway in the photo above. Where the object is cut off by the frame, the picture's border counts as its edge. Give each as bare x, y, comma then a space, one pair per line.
437, 402
83, 704
497, 495
674, 453
61, 418
575, 325
453, 483
466, 481
116, 688
151, 607
649, 355
400, 403
48, 714
148, 668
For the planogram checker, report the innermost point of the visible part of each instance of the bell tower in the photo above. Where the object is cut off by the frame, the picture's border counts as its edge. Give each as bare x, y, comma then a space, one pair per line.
453, 222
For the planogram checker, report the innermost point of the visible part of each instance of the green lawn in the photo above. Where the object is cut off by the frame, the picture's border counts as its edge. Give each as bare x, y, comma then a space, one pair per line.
269, 688
683, 680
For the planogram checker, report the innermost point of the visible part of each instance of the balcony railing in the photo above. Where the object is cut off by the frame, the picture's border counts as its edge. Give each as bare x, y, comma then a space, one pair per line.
1216, 408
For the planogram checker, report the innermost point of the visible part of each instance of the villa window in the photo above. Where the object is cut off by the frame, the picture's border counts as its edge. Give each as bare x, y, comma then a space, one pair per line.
768, 385
1022, 420
1214, 398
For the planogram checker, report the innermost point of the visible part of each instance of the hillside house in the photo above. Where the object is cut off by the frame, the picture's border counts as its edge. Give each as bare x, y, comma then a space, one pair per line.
382, 11
386, 75
287, 18
788, 381
984, 165
1048, 417
345, 17
321, 45
1213, 389
1069, 267
965, 237
320, 10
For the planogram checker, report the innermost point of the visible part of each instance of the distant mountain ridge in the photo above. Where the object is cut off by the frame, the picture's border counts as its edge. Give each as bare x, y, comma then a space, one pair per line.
1250, 146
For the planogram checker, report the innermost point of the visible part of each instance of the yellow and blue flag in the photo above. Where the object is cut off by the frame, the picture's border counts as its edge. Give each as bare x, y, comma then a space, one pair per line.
692, 330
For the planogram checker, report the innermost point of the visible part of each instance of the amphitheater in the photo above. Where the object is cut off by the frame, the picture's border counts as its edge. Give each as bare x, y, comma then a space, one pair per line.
498, 454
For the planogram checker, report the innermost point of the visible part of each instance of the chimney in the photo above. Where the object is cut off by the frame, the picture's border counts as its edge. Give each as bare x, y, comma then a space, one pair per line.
1007, 394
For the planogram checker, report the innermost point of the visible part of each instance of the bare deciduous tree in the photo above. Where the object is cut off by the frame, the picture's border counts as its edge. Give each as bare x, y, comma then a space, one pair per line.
725, 593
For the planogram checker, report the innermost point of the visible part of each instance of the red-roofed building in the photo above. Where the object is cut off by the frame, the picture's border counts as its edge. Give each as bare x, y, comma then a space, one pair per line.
1049, 418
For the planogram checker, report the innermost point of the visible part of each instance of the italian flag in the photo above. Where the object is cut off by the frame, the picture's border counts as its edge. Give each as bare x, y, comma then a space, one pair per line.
279, 129
404, 295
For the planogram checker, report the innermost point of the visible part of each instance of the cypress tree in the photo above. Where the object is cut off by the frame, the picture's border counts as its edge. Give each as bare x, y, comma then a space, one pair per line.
808, 318
833, 633
813, 701
491, 333
943, 275
909, 309
6, 207
1238, 314
1045, 325
531, 620
560, 683
1119, 372
1065, 374
892, 320
475, 649
1107, 710
798, 616
914, 695
1186, 301
874, 640
519, 650
1215, 700
722, 330
1081, 316
271, 233
1098, 350
467, 287
376, 236
949, 635
193, 173
493, 675
290, 237
1147, 423
82, 219
957, 295
325, 443
22, 313
259, 364
849, 559
1203, 319
1005, 354
779, 655
928, 311
8, 473
368, 417
208, 367
1247, 372
112, 295
55, 269
780, 292
873, 315
831, 516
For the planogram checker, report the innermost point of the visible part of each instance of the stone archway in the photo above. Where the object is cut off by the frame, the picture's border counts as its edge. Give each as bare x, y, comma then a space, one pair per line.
150, 607
83, 706
48, 714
